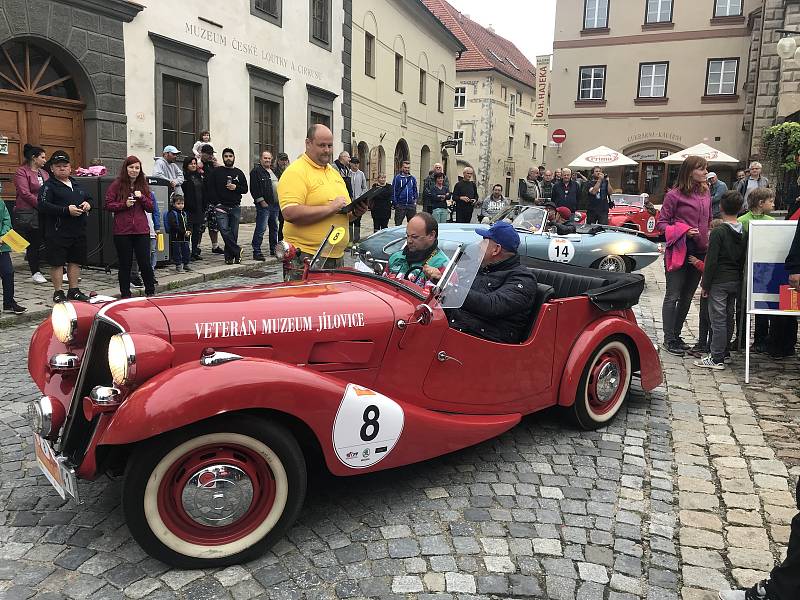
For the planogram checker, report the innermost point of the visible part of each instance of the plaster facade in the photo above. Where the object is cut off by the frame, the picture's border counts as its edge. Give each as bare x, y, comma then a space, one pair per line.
389, 124
648, 125
499, 143
235, 58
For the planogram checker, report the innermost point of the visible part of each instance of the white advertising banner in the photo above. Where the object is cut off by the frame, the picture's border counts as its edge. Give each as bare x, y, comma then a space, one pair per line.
542, 84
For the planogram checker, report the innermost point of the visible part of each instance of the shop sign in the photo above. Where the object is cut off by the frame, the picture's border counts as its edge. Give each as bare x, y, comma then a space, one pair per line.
542, 77
641, 155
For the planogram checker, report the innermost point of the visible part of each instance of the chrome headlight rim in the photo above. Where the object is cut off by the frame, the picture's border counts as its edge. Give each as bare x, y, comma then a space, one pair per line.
64, 333
128, 361
40, 416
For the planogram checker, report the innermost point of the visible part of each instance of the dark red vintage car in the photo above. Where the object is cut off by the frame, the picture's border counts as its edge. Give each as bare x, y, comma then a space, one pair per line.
212, 403
634, 211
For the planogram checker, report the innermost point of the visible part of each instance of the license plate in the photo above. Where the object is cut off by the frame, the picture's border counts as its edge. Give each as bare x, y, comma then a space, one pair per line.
62, 478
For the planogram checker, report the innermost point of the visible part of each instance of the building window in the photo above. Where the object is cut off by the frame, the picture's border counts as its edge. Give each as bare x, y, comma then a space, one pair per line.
369, 54
511, 141
658, 11
440, 100
266, 119
721, 76
527, 141
398, 73
592, 83
321, 23
503, 93
319, 119
653, 80
533, 154
727, 8
269, 10
460, 98
423, 87
519, 98
458, 137
595, 14
320, 106
179, 112
512, 105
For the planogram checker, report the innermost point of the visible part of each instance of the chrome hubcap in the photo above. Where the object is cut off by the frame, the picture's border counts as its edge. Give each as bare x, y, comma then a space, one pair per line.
607, 382
610, 263
217, 496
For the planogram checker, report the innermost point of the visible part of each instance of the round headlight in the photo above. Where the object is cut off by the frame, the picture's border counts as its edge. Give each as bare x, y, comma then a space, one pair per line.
64, 320
121, 358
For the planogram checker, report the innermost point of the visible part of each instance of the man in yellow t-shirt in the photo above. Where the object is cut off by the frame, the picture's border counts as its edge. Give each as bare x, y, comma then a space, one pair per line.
312, 194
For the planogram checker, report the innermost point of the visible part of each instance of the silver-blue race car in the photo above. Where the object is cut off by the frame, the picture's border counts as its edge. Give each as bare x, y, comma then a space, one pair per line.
596, 246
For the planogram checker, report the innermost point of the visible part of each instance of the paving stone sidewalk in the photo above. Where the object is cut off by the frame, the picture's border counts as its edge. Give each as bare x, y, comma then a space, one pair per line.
686, 491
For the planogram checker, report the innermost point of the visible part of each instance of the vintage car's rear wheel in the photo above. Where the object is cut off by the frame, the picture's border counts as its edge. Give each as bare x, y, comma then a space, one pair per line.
216, 493
604, 384
613, 263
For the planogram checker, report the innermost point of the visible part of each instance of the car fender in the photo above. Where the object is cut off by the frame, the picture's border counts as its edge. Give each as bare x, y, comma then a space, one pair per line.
591, 338
191, 392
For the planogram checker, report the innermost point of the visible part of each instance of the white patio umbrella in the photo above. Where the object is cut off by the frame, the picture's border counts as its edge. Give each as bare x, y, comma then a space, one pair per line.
712, 155
602, 156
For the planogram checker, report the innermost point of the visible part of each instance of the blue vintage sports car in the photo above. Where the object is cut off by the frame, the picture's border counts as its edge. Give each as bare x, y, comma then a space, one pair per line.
601, 247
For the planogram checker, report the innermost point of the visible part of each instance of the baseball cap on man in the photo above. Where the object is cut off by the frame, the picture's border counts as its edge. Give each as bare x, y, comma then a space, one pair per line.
171, 149
283, 156
710, 175
207, 149
564, 212
503, 233
59, 157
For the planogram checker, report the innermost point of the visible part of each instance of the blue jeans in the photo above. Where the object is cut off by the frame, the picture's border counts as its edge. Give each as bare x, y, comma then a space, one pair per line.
228, 223
441, 214
180, 252
266, 217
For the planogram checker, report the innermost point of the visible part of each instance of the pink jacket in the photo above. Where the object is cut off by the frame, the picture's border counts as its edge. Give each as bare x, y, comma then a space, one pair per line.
128, 220
675, 252
694, 210
26, 180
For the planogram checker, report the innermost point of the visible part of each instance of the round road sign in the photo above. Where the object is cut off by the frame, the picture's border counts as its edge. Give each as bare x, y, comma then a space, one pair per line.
559, 136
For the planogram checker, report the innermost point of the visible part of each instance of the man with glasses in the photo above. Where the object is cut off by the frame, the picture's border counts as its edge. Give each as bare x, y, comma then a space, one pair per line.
421, 261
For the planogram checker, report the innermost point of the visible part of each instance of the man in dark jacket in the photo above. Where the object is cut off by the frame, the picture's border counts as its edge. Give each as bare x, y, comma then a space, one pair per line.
566, 191
209, 163
263, 188
64, 204
343, 165
499, 304
229, 184
599, 198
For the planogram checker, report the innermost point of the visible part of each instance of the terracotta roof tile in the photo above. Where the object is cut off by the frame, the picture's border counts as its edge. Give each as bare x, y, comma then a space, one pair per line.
485, 49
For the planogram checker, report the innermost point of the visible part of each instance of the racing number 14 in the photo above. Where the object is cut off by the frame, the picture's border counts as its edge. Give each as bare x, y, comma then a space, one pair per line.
562, 251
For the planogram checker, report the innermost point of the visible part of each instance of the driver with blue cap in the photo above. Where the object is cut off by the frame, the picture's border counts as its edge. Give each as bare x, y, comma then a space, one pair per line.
499, 304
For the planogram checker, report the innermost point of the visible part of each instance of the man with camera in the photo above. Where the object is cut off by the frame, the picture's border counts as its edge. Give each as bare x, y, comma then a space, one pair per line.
599, 198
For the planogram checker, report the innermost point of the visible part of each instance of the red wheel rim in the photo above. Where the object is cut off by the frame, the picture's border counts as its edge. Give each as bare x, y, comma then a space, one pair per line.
226, 457
607, 381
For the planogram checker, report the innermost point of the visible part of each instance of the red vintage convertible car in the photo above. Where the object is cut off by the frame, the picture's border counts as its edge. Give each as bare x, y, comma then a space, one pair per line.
634, 211
212, 403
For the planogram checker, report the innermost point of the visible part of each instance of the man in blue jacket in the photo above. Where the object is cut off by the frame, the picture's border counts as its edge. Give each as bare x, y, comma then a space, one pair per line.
599, 198
565, 192
404, 194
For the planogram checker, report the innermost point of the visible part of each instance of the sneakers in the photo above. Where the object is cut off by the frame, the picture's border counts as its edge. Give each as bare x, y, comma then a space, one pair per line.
59, 296
17, 309
187, 268
708, 362
674, 348
196, 257
757, 592
228, 261
136, 282
38, 278
238, 258
259, 257
179, 268
218, 250
77, 295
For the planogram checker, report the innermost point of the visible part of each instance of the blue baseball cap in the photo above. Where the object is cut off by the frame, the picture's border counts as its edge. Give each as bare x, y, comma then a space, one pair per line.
503, 233
171, 149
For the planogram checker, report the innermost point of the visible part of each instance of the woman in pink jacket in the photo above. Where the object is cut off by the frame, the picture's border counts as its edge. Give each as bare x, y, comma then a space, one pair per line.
28, 179
685, 219
129, 198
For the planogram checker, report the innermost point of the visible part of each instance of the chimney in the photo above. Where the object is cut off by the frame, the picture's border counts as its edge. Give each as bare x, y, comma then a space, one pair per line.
491, 28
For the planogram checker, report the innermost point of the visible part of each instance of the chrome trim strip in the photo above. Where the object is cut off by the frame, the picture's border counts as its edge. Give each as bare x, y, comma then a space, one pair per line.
219, 358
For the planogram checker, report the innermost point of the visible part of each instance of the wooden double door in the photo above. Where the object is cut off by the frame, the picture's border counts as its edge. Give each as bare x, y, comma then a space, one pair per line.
39, 123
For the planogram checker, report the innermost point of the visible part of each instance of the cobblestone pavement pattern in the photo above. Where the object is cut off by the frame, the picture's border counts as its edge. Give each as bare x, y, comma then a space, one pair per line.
686, 491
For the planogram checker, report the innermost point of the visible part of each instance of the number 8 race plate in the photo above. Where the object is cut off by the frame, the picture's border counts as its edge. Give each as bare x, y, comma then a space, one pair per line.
367, 427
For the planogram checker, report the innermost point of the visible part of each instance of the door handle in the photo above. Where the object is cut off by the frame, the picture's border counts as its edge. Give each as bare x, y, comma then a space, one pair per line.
442, 356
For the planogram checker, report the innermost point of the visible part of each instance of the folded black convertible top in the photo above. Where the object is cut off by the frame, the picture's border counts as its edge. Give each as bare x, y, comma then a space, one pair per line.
606, 290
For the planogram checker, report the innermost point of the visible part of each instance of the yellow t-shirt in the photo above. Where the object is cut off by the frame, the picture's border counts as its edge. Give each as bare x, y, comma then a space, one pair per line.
305, 183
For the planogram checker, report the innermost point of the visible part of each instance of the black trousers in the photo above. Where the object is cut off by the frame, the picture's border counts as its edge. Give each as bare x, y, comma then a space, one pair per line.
197, 235
782, 334
34, 237
380, 221
464, 213
127, 247
681, 286
596, 216
784, 583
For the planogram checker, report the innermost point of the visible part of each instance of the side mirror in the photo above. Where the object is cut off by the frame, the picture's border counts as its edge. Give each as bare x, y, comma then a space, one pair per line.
423, 315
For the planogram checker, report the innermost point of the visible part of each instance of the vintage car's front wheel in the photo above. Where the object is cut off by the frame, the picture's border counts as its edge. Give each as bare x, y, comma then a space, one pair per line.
603, 385
613, 263
216, 493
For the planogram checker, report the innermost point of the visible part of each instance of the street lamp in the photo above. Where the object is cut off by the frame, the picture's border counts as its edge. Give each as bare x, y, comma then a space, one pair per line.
787, 45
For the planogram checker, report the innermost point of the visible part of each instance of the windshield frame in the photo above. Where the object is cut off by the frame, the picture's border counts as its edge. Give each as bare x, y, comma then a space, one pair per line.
542, 225
623, 197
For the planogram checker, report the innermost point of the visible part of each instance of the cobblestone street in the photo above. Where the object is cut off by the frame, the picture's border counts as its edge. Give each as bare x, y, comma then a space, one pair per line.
686, 492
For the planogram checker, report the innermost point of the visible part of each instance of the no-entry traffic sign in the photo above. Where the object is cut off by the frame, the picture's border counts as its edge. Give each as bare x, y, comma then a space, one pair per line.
559, 136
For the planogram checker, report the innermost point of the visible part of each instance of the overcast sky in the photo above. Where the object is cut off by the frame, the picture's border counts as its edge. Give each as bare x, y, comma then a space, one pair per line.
527, 23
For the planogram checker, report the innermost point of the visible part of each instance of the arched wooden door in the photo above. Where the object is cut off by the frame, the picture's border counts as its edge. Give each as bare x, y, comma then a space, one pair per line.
39, 105
401, 154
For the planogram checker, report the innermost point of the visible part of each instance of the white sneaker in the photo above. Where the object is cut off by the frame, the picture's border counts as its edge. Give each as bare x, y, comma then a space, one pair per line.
38, 278
708, 362
757, 592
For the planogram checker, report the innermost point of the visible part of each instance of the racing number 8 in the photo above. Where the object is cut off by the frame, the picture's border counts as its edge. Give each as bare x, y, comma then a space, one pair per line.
371, 415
